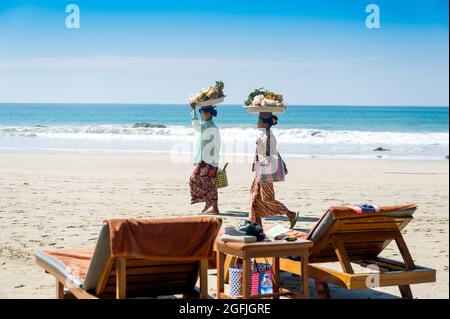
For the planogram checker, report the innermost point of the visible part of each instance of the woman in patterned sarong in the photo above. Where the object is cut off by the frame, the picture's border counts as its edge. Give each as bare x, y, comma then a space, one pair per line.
262, 195
203, 181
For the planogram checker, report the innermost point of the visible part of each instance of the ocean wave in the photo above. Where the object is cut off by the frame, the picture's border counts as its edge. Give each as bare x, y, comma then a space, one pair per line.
229, 134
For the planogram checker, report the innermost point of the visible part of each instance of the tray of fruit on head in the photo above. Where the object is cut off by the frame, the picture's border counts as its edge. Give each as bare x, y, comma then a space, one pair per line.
210, 96
261, 100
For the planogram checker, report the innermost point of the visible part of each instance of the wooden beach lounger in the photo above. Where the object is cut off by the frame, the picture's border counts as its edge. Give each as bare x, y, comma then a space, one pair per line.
137, 258
343, 236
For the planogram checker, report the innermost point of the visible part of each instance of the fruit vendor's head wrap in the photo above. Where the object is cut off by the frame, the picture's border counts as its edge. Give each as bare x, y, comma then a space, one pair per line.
269, 118
209, 109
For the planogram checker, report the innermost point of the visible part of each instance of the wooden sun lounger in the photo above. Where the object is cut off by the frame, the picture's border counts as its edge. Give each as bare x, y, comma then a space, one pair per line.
360, 239
126, 277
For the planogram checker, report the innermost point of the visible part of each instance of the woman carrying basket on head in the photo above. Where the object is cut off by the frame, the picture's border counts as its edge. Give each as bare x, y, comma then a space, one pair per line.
263, 202
203, 181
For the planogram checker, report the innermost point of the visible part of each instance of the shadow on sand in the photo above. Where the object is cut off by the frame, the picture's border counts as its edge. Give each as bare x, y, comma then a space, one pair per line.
292, 283
271, 218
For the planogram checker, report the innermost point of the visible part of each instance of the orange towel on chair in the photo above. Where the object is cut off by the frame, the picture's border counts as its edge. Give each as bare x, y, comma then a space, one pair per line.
182, 239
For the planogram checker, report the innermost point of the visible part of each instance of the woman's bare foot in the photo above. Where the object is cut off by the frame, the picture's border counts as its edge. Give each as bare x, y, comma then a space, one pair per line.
207, 206
214, 210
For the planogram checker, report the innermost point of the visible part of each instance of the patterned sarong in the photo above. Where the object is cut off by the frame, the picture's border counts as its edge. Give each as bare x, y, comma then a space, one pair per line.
203, 183
263, 202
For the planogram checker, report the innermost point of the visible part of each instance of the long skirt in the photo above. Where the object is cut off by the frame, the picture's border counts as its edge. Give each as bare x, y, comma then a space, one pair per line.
263, 203
203, 183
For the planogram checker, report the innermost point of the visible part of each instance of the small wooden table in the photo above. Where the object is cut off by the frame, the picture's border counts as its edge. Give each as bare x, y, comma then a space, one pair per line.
266, 249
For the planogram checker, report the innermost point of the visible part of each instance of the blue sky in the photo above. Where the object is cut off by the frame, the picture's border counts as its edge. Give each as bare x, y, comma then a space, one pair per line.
314, 52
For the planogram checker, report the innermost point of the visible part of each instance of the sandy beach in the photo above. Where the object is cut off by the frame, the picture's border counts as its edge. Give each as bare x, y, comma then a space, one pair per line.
59, 200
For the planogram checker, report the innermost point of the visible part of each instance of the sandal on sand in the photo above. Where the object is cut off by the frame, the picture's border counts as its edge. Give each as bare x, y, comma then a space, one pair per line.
294, 220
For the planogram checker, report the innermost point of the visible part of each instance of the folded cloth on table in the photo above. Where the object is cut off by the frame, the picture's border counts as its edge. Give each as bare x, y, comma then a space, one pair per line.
238, 239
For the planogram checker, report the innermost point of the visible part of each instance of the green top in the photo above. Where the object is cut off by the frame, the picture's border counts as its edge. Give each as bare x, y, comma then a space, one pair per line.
207, 147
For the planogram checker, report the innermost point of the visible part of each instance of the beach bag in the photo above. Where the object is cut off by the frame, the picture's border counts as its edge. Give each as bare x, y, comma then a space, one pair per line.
222, 179
271, 169
236, 276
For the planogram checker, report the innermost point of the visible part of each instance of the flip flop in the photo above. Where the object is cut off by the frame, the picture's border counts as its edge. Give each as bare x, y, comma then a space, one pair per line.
294, 221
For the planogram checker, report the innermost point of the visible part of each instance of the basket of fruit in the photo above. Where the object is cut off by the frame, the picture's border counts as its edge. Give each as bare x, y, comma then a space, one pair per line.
210, 96
262, 100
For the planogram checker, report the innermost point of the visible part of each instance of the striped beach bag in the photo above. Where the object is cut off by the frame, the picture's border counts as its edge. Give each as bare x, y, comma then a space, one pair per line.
270, 170
222, 179
236, 276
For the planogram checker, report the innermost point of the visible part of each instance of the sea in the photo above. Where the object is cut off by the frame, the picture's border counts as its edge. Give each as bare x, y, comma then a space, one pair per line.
356, 132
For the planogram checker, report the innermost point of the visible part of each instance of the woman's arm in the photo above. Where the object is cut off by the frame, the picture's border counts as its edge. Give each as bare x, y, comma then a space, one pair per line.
284, 163
261, 147
195, 122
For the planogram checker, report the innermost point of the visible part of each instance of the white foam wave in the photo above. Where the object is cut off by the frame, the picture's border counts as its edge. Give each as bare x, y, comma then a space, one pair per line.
229, 134
235, 141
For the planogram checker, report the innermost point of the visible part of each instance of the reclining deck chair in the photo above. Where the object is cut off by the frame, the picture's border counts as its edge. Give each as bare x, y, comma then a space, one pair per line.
137, 258
343, 236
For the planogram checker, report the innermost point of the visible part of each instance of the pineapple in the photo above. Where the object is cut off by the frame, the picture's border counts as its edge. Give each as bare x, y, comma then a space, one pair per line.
220, 86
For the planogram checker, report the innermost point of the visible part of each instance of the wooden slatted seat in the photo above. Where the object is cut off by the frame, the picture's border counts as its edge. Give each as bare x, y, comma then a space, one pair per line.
98, 274
345, 237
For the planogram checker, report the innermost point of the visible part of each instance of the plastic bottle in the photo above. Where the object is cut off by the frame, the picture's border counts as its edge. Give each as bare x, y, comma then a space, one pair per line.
266, 285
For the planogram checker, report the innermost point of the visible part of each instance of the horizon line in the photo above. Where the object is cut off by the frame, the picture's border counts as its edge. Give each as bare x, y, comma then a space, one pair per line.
224, 104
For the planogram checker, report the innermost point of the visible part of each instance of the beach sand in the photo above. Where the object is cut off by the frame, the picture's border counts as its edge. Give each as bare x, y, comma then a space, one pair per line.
59, 200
